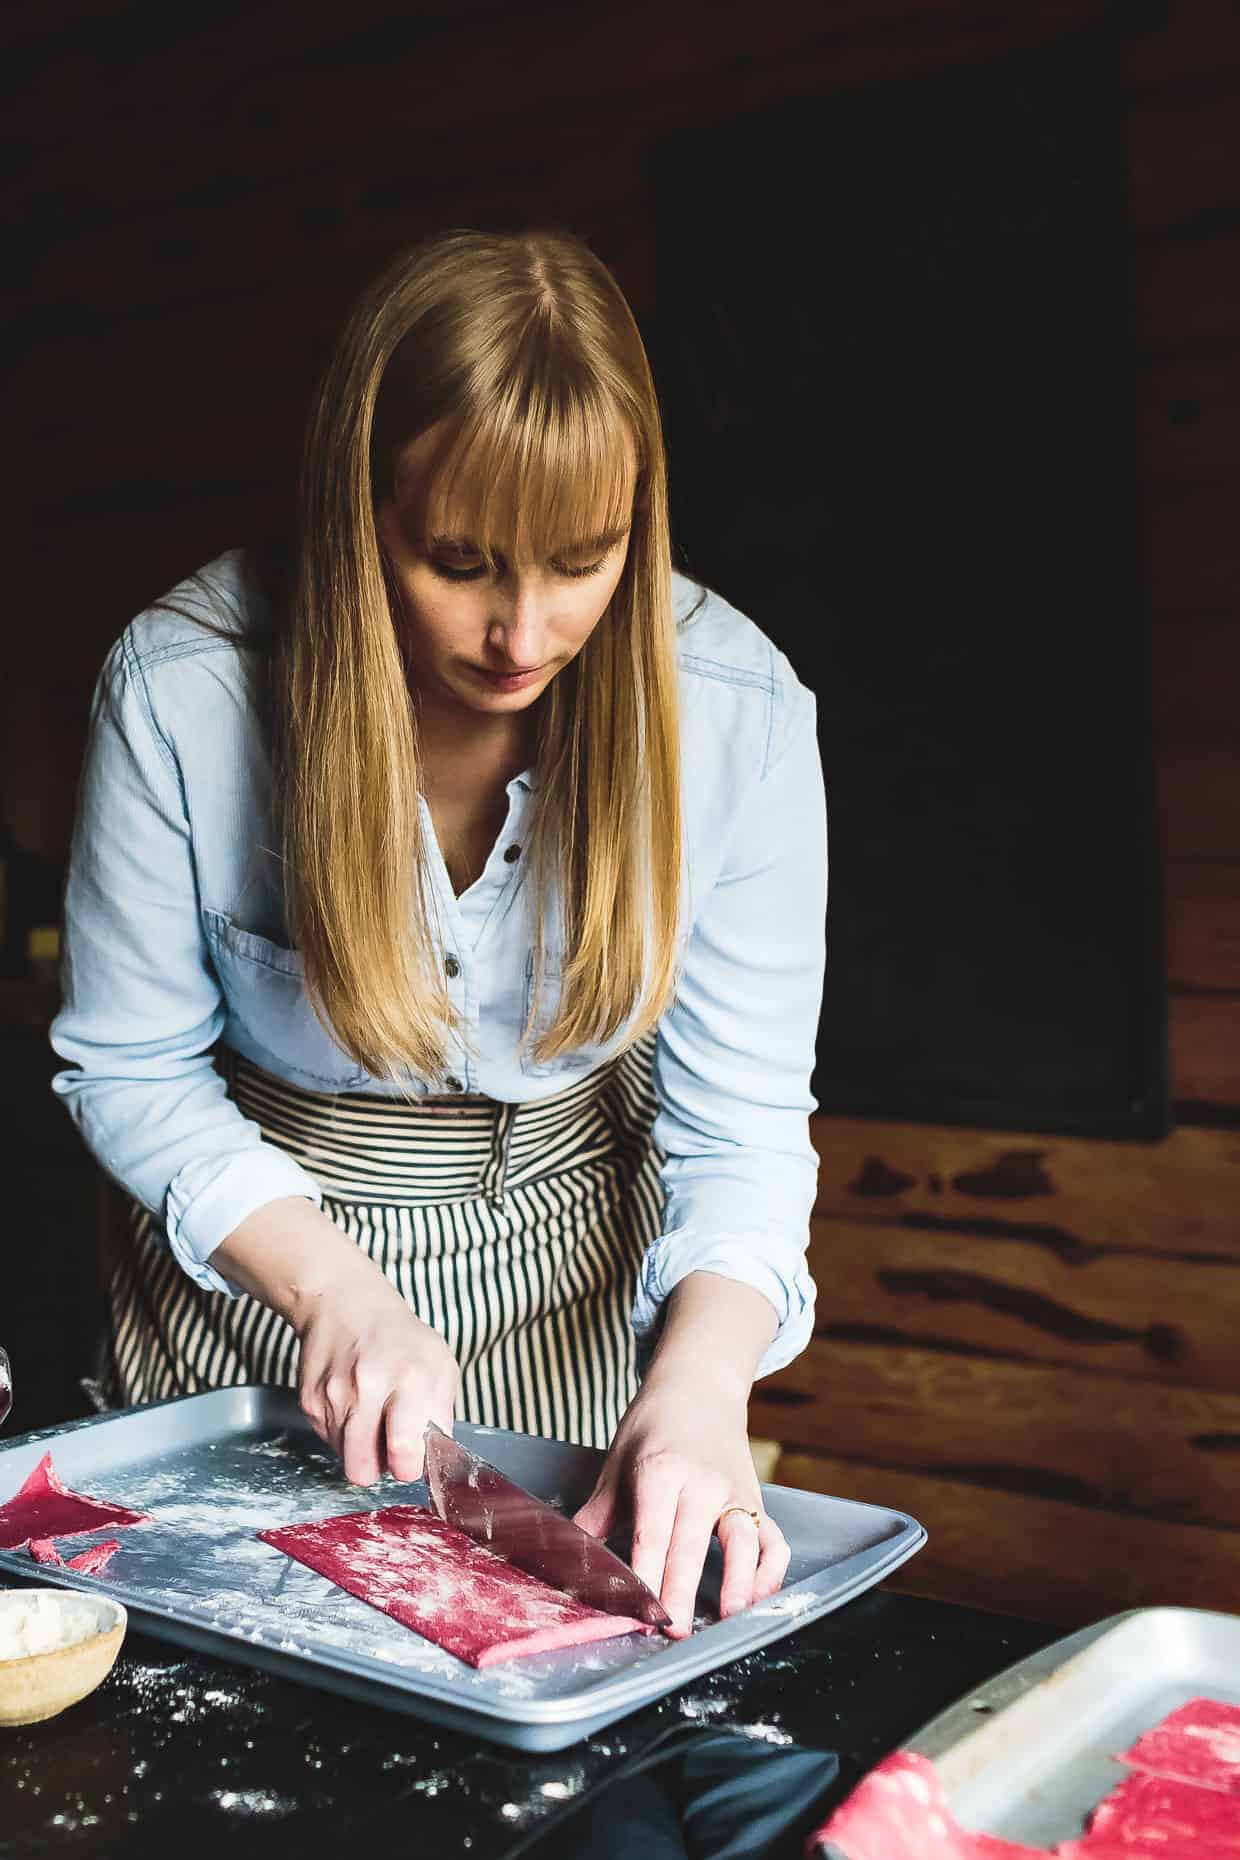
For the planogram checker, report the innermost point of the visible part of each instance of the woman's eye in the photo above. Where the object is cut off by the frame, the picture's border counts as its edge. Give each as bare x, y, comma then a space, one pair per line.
575, 574
450, 573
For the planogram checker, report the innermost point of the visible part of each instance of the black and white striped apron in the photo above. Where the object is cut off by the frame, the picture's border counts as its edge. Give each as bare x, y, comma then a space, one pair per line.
516, 1231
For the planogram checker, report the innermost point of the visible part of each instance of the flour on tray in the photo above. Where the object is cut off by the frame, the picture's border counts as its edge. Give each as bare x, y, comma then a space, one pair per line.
788, 1602
200, 1559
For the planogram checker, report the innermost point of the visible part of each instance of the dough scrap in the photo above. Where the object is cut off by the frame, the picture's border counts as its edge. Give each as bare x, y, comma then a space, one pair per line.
91, 1562
44, 1508
899, 1810
1179, 1804
1199, 1743
1158, 1818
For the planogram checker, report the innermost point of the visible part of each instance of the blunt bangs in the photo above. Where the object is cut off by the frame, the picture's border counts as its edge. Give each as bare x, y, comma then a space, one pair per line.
530, 483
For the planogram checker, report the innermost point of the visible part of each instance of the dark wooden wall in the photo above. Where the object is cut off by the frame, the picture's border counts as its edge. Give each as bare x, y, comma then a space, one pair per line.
1032, 1344
1029, 1343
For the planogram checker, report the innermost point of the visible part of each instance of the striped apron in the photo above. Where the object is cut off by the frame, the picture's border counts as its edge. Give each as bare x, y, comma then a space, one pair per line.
515, 1231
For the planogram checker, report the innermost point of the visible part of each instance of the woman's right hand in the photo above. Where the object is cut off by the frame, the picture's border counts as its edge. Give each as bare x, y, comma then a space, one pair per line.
371, 1374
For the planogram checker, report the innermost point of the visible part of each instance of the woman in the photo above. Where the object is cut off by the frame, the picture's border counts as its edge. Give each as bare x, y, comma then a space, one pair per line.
444, 932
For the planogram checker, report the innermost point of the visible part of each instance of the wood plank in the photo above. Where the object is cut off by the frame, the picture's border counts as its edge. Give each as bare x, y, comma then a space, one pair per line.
1192, 547
1029, 1291
200, 66
1188, 419
1184, 46
1181, 153
1183, 292
389, 87
1175, 1197
171, 259
1195, 675
765, 1456
1173, 48
1198, 786
1035, 1556
1203, 925
200, 345
1205, 1050
1160, 46
1046, 1431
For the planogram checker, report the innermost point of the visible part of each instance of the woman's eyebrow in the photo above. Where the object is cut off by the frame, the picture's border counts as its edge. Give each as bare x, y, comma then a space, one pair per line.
593, 545
585, 545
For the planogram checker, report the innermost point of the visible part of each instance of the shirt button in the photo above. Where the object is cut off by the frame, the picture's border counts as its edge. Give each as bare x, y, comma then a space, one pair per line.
511, 854
452, 966
452, 1083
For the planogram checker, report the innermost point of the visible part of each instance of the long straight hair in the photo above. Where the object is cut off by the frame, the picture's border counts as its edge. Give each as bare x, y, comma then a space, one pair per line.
522, 351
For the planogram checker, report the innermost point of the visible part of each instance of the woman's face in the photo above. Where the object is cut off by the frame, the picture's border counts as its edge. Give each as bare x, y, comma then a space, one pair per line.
490, 642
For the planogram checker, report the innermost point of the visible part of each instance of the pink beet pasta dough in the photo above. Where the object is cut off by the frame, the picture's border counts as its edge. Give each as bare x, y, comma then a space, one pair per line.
433, 1578
44, 1508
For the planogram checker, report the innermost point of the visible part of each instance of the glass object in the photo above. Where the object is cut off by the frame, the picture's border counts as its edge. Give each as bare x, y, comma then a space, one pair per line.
6, 1387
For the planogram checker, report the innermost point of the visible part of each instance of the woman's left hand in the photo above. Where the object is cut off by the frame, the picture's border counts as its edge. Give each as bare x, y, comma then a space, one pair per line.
679, 1459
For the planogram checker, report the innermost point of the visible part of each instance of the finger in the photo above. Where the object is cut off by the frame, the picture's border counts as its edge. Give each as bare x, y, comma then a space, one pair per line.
311, 1398
774, 1556
655, 1499
686, 1556
598, 1514
359, 1446
337, 1400
741, 1543
446, 1397
402, 1426
310, 1401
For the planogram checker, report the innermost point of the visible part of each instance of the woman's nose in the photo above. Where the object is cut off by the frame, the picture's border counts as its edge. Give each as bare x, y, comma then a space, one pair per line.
520, 624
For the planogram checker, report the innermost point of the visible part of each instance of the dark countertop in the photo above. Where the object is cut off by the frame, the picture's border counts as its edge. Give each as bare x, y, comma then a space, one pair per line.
179, 1751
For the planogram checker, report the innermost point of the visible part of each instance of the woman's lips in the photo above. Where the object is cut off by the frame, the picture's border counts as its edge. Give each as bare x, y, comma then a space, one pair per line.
508, 681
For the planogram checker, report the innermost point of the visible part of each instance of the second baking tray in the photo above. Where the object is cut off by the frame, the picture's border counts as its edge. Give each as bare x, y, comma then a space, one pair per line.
1028, 1755
214, 1469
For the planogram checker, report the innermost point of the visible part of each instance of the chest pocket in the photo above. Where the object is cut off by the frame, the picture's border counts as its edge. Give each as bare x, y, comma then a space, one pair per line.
263, 985
570, 1065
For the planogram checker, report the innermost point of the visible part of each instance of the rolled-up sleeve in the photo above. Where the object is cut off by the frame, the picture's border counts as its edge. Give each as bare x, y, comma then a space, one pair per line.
735, 1052
142, 1007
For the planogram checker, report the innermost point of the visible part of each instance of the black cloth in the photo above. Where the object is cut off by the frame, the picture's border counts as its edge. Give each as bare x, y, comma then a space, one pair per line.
699, 1795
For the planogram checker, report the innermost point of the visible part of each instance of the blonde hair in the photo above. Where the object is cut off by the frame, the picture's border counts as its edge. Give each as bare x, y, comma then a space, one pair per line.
522, 350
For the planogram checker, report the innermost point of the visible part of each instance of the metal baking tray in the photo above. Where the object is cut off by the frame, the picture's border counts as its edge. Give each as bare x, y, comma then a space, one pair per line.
1031, 1753
214, 1469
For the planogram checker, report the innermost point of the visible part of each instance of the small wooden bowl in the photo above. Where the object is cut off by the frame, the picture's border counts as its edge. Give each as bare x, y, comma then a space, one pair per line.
38, 1685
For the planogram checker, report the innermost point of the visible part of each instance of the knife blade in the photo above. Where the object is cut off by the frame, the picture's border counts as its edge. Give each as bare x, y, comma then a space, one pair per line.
478, 1499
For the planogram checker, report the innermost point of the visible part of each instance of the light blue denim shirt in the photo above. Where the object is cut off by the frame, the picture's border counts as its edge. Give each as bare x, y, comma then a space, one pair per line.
175, 939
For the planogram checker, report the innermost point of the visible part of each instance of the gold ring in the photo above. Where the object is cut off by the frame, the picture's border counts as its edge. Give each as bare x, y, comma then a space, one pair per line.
756, 1516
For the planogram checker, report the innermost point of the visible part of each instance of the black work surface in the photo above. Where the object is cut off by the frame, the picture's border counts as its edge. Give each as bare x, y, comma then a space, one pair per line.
177, 1752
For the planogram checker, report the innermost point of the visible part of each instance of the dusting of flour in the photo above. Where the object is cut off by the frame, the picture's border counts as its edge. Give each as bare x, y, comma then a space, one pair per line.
199, 1558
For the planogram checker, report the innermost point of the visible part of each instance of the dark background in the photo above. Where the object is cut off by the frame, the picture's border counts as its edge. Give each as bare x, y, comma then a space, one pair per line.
901, 427
892, 335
